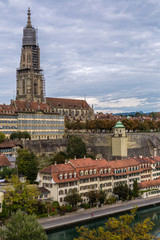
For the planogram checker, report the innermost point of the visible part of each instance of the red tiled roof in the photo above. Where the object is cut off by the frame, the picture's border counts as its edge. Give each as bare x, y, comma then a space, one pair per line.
4, 162
150, 183
9, 144
67, 103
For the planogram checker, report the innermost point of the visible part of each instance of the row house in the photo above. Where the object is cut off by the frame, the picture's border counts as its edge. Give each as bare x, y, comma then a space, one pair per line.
84, 175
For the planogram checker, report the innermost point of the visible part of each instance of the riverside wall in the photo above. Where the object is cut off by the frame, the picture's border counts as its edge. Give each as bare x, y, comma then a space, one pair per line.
100, 144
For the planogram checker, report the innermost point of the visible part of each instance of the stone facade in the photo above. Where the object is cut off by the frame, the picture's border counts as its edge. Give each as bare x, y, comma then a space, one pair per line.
30, 80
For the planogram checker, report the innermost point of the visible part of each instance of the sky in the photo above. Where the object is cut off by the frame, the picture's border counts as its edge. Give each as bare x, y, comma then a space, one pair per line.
104, 51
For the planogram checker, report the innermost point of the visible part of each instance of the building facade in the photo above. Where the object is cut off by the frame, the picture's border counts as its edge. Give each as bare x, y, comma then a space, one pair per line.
84, 175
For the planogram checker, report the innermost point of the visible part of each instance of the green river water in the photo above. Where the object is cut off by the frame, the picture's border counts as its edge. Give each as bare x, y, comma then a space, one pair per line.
69, 232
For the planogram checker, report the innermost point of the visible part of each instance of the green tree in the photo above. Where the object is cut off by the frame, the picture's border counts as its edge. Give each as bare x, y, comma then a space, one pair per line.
20, 135
122, 191
59, 158
93, 197
102, 195
7, 172
135, 189
22, 226
21, 195
122, 228
2, 137
27, 164
76, 147
73, 198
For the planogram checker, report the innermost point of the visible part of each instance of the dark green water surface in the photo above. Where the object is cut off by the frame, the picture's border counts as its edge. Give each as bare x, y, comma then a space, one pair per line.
69, 232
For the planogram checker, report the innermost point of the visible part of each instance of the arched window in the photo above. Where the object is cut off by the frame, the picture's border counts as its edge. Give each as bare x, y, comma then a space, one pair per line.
95, 171
24, 86
81, 173
61, 192
101, 171
90, 171
75, 175
65, 176
28, 58
86, 172
23, 57
70, 175
35, 87
60, 176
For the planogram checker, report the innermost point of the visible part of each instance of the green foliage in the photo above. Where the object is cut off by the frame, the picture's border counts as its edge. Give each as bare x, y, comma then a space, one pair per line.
135, 189
76, 147
27, 164
21, 196
7, 172
122, 228
2, 137
5, 213
93, 197
122, 191
20, 135
102, 195
22, 226
59, 158
73, 198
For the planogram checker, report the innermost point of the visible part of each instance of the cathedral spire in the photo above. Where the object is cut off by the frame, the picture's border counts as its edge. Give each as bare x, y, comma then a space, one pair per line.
29, 25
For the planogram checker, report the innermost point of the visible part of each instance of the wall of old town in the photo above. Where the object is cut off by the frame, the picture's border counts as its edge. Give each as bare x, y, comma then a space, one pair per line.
100, 144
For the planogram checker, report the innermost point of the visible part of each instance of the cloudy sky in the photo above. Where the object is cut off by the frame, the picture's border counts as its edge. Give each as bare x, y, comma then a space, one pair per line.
107, 51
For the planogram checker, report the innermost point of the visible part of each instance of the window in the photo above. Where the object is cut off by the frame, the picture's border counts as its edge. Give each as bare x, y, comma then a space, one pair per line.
90, 171
70, 175
95, 171
60, 177
81, 173
65, 176
86, 172
101, 171
75, 175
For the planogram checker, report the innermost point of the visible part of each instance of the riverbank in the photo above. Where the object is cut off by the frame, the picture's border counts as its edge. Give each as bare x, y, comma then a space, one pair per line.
93, 213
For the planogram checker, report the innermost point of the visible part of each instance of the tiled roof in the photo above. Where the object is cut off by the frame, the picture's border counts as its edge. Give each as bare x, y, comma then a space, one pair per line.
150, 183
4, 162
31, 106
43, 190
67, 103
9, 144
108, 167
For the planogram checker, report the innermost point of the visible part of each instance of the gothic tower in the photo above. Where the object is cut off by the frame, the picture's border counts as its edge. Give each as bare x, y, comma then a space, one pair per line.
30, 79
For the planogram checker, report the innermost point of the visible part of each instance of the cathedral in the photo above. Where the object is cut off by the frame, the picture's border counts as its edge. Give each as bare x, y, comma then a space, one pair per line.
31, 83
42, 117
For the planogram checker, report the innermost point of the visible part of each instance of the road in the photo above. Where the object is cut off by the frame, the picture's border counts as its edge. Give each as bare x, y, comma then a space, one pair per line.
59, 221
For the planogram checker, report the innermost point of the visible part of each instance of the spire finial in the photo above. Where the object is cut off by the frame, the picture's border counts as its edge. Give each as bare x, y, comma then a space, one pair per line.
29, 19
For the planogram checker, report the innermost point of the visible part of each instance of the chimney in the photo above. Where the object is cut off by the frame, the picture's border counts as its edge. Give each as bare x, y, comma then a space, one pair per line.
75, 158
155, 152
66, 161
55, 163
84, 156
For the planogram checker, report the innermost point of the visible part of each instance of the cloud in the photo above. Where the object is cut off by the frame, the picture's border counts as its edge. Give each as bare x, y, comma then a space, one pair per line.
105, 50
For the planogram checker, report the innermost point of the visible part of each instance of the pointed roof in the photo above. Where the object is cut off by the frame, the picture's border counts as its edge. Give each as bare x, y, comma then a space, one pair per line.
29, 25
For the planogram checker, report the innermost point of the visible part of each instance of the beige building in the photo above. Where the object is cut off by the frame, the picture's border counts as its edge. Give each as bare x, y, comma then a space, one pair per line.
86, 174
72, 109
119, 141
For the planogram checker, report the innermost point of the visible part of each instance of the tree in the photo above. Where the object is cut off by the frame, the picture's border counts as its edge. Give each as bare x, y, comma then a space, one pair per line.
122, 191
122, 228
7, 172
2, 137
27, 164
21, 195
22, 226
59, 158
76, 147
73, 198
93, 197
20, 135
102, 194
135, 189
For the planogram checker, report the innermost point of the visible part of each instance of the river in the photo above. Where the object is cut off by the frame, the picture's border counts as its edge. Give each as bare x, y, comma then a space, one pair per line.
69, 232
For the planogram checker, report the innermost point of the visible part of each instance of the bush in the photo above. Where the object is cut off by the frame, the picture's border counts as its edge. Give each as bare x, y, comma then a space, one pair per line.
111, 200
